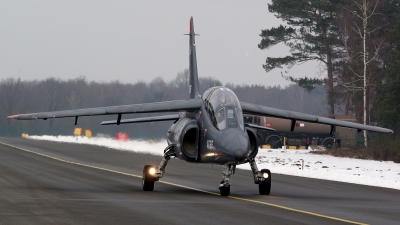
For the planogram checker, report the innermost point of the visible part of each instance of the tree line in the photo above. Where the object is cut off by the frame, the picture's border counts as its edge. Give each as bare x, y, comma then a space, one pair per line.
356, 42
53, 94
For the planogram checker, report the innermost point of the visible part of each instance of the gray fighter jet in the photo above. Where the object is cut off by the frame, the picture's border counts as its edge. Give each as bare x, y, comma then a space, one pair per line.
207, 128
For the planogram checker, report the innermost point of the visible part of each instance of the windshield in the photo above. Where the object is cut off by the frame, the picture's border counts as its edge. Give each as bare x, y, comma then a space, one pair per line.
223, 97
229, 118
226, 109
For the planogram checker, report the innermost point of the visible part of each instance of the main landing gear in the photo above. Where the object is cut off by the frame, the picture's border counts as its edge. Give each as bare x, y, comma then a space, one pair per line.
148, 178
262, 178
152, 174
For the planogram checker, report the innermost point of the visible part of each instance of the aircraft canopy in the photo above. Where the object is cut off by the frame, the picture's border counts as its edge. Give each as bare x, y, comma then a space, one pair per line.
227, 108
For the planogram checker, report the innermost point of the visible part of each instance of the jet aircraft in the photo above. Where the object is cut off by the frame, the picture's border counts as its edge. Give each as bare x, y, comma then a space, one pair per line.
207, 128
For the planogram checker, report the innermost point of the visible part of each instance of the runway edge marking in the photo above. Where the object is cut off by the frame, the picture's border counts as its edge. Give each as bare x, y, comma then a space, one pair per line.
186, 187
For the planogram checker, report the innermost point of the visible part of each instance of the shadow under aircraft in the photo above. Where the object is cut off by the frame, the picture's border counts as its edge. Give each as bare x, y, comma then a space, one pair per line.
206, 128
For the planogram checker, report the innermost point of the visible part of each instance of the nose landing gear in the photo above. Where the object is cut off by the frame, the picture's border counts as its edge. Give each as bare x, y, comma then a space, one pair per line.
224, 189
225, 186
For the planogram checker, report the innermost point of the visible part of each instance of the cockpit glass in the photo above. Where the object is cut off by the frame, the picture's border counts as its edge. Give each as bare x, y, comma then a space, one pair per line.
239, 114
231, 118
223, 97
221, 119
226, 108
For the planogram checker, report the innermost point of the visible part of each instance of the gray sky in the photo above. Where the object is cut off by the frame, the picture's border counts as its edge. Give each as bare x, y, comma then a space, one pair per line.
138, 40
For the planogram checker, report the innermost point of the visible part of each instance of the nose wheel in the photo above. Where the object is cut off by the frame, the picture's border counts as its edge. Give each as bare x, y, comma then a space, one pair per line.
225, 185
224, 189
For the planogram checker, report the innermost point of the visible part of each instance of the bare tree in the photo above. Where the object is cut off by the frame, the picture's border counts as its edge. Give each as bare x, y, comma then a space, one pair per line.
356, 27
182, 80
75, 92
11, 97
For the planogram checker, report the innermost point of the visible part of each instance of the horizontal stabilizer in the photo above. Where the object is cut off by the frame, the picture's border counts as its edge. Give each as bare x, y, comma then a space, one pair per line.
260, 127
143, 119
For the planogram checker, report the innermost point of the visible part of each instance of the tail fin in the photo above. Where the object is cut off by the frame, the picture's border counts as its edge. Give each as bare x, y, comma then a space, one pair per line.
193, 77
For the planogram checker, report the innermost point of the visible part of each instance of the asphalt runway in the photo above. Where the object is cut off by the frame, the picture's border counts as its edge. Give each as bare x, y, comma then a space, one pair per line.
45, 182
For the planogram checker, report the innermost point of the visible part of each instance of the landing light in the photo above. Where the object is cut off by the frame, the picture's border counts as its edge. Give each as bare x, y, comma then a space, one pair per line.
265, 175
152, 171
210, 154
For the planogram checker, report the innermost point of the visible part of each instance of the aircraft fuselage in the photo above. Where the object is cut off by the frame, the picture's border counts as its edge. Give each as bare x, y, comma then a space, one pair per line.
215, 133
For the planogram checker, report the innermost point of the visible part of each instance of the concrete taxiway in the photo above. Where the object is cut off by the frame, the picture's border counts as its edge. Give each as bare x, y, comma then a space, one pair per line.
45, 182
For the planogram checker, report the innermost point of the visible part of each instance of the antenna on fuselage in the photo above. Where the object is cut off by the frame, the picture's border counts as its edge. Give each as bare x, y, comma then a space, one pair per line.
193, 77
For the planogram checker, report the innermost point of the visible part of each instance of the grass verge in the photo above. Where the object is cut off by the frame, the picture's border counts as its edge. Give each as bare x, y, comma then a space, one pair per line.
383, 149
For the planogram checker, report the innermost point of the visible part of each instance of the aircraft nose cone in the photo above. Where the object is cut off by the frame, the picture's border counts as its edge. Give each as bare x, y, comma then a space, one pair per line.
239, 154
236, 145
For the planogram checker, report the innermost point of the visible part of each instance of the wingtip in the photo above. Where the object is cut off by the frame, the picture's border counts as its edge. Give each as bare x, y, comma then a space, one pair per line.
10, 117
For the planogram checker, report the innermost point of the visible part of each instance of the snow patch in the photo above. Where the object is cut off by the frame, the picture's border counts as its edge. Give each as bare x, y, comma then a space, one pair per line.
141, 146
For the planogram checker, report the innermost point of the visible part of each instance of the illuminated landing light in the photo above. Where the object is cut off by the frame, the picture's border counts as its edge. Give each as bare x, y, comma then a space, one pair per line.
210, 154
265, 175
152, 171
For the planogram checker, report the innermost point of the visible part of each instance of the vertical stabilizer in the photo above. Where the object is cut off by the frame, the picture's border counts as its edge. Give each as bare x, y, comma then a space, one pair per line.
193, 78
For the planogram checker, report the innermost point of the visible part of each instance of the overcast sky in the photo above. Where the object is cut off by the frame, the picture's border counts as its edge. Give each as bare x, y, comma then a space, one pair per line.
138, 40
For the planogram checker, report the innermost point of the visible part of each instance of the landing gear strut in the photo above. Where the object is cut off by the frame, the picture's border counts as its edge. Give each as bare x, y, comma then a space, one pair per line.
262, 178
151, 174
225, 186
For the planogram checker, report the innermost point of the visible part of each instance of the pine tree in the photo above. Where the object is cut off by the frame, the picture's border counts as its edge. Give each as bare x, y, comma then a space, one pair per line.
387, 100
311, 34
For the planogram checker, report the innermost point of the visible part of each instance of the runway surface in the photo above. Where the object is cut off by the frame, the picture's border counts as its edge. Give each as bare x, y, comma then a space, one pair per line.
45, 182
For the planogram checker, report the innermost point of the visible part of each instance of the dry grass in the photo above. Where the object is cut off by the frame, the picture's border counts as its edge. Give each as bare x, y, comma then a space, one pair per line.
382, 150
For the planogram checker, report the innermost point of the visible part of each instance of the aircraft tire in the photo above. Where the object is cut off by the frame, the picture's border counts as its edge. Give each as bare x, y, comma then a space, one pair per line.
264, 187
224, 191
147, 179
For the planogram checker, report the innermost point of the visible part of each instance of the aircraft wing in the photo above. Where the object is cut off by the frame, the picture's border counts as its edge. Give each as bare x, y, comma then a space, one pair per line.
249, 108
167, 106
